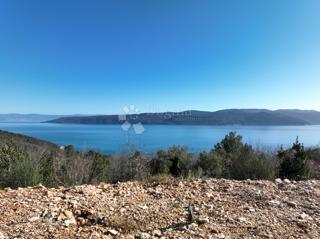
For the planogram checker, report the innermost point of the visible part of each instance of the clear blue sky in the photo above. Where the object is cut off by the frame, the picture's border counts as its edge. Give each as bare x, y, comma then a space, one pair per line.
95, 57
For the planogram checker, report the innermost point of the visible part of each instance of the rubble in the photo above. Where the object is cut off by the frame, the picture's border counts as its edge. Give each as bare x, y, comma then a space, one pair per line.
220, 209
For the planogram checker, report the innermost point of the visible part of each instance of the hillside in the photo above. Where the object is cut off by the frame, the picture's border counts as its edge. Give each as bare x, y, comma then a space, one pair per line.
222, 117
220, 209
30, 143
311, 116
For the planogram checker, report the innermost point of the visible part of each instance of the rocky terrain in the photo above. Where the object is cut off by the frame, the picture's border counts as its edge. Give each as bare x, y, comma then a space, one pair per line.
164, 209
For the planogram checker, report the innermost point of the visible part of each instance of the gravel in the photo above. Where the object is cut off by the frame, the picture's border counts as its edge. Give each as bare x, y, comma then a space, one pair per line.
220, 209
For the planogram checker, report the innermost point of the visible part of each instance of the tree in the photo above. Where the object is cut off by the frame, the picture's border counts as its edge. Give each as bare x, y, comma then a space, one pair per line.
229, 149
240, 161
293, 162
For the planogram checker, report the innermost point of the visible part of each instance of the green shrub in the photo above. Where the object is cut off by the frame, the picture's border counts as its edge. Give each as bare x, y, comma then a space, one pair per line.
229, 149
293, 162
17, 168
176, 161
47, 169
240, 161
210, 164
100, 170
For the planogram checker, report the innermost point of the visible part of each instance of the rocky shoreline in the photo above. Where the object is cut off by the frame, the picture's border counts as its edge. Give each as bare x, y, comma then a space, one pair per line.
213, 208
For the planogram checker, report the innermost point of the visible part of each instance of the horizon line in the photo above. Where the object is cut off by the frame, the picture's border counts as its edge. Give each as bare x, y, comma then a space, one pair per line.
159, 112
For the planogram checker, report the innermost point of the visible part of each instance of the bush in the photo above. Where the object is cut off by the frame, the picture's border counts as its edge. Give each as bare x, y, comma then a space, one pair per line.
231, 158
210, 164
47, 169
229, 149
240, 161
100, 170
313, 155
293, 162
176, 161
130, 167
17, 169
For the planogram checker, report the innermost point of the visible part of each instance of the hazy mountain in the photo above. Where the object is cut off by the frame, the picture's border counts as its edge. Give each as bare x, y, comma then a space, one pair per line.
28, 118
222, 117
311, 116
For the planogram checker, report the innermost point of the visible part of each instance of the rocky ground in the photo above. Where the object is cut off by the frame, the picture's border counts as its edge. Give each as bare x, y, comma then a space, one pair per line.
166, 209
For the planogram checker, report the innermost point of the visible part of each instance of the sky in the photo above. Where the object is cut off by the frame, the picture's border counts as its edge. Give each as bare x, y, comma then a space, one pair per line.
96, 57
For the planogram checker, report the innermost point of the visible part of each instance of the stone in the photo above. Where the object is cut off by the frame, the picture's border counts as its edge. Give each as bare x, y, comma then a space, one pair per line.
202, 220
304, 216
278, 181
221, 236
193, 226
144, 207
2, 236
286, 181
156, 233
292, 204
81, 221
68, 214
95, 235
7, 189
49, 193
39, 186
70, 221
33, 219
275, 202
143, 235
113, 232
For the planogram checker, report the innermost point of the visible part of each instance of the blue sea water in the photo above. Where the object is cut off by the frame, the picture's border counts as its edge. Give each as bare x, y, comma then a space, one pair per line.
111, 139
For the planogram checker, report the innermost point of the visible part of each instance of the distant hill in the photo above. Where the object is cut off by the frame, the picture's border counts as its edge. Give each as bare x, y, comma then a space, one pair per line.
222, 117
28, 118
311, 116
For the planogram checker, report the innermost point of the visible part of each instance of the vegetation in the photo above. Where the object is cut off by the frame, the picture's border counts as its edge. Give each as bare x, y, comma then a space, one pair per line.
294, 163
22, 165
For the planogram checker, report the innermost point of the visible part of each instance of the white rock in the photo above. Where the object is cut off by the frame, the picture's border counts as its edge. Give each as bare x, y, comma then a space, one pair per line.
2, 236
275, 202
70, 221
278, 181
68, 214
113, 232
156, 233
33, 219
287, 181
304, 216
144, 235
144, 207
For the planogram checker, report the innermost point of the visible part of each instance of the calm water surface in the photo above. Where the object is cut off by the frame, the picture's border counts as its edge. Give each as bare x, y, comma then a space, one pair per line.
112, 139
